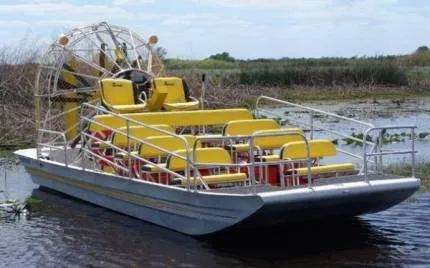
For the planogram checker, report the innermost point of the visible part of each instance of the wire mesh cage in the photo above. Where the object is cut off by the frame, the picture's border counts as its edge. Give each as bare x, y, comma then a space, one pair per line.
70, 71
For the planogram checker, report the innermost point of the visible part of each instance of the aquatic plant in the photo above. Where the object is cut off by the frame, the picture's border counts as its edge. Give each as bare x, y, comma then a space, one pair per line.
422, 170
359, 136
423, 135
17, 208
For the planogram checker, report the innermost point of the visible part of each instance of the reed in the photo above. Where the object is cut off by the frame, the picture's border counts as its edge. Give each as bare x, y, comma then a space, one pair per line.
404, 169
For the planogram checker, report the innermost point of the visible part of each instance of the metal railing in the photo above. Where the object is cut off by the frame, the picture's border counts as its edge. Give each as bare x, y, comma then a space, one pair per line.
129, 121
127, 166
380, 153
250, 139
375, 147
52, 143
190, 155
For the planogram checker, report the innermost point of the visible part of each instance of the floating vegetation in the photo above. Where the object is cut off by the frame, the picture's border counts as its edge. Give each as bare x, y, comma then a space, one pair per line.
423, 135
15, 208
387, 138
359, 136
278, 120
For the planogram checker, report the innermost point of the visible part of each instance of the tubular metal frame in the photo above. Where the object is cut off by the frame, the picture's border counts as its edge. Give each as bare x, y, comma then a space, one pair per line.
376, 149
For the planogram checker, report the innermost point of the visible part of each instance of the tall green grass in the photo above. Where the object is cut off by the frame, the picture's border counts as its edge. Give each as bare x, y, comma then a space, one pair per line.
359, 74
386, 71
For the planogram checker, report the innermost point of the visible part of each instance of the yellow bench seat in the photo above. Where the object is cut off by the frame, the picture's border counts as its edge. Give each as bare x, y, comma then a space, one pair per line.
269, 158
175, 118
132, 108
218, 179
281, 137
345, 167
182, 106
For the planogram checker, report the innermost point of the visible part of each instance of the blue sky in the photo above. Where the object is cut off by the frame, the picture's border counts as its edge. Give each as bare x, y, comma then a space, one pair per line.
245, 28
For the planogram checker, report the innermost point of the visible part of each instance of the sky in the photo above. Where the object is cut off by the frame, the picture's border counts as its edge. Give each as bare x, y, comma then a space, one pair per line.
246, 29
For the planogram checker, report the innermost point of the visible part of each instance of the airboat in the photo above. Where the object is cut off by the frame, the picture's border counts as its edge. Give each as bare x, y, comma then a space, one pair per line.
115, 130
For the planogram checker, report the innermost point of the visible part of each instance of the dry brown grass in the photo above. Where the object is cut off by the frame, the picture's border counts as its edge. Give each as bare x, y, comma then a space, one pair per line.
17, 76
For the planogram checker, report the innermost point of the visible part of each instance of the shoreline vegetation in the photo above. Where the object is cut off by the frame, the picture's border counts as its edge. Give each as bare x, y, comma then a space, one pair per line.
422, 171
233, 82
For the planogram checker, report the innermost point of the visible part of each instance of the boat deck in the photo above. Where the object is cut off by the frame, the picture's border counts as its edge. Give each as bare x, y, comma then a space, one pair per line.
262, 188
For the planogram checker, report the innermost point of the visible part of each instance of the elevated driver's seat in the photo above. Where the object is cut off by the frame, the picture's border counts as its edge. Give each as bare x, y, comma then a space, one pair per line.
119, 96
178, 96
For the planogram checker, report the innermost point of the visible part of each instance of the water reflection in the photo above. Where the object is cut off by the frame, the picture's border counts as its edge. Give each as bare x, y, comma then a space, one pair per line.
336, 242
63, 231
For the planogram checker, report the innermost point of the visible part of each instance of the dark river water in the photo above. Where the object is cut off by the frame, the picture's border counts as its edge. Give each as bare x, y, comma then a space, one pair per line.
65, 232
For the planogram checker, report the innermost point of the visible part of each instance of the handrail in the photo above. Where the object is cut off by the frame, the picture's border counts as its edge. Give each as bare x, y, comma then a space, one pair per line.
320, 127
376, 147
60, 134
381, 153
127, 119
312, 126
250, 139
312, 109
135, 157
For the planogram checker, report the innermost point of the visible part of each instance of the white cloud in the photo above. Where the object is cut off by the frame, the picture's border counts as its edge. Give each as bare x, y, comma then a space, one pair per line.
259, 28
287, 4
59, 10
131, 2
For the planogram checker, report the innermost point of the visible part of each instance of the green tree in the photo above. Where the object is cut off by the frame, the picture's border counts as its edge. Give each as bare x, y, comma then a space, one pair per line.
161, 52
224, 56
423, 49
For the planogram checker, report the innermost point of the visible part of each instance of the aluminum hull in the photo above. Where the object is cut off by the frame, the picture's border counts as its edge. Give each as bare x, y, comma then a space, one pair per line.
208, 212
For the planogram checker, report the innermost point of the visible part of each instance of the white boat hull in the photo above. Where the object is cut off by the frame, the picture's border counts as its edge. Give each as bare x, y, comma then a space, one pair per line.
207, 212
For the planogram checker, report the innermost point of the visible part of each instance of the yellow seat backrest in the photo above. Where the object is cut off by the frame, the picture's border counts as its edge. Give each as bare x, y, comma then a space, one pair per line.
282, 137
203, 155
317, 149
139, 132
117, 91
247, 127
168, 143
174, 86
177, 118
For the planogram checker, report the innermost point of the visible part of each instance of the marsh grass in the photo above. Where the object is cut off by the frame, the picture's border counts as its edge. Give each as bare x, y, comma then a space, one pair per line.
405, 70
404, 169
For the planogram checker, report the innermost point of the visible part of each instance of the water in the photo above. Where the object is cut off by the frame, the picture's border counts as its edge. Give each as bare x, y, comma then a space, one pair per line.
63, 231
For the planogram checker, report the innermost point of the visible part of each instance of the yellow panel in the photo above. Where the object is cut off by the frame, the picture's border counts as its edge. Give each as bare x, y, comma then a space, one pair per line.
247, 127
185, 106
70, 78
346, 167
203, 155
108, 169
216, 179
71, 118
139, 132
269, 158
240, 147
168, 143
178, 118
122, 109
174, 87
275, 142
157, 99
117, 91
317, 148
